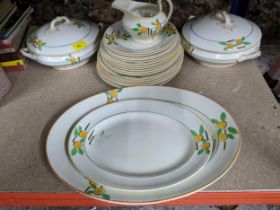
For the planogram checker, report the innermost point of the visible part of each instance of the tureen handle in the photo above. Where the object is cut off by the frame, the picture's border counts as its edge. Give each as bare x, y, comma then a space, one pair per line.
250, 56
224, 17
58, 20
25, 52
170, 11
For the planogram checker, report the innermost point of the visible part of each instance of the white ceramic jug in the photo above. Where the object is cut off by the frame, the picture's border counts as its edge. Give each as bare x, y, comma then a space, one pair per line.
143, 21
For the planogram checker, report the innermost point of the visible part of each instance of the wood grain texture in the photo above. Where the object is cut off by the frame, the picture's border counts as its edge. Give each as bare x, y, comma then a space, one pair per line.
200, 198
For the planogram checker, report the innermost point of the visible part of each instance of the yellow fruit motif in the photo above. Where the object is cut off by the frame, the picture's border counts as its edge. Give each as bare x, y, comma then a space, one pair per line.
83, 134
39, 42
205, 145
112, 38
109, 101
198, 138
229, 45
99, 191
221, 124
92, 183
77, 144
143, 29
72, 59
114, 93
223, 137
238, 41
157, 25
168, 29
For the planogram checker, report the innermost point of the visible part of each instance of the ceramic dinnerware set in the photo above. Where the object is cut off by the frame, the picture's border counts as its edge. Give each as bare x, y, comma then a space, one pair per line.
140, 50
144, 48
143, 145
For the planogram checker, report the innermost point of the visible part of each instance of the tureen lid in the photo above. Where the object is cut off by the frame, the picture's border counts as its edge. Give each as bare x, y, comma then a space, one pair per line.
62, 36
222, 33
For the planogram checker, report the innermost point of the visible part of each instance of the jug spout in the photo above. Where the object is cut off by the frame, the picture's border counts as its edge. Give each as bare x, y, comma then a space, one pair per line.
122, 5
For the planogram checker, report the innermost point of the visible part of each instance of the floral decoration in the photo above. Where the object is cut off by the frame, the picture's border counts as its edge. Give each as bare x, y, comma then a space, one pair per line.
37, 43
79, 23
235, 43
224, 131
73, 60
141, 29
114, 36
112, 95
80, 137
201, 140
95, 188
169, 29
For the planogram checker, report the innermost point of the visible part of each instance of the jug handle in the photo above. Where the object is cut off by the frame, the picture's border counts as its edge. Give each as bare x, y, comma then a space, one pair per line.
170, 11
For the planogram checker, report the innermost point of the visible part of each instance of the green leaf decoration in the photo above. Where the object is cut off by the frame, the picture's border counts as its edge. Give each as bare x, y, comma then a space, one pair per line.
225, 49
73, 151
231, 136
201, 129
219, 131
246, 43
83, 140
193, 133
207, 151
200, 151
214, 121
92, 185
90, 192
135, 29
223, 43
80, 128
232, 130
76, 132
106, 197
223, 116
243, 38
139, 33
80, 151
138, 24
40, 48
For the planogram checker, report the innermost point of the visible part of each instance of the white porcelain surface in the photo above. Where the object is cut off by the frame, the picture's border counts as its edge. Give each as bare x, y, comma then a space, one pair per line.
212, 59
221, 33
117, 39
56, 40
66, 59
225, 149
143, 21
136, 136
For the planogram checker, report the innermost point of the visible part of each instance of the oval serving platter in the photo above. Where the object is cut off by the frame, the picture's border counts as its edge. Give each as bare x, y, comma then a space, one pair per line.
224, 155
136, 136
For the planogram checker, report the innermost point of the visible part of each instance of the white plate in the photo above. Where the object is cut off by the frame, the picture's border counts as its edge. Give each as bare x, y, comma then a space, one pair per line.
165, 75
125, 144
223, 158
165, 69
117, 39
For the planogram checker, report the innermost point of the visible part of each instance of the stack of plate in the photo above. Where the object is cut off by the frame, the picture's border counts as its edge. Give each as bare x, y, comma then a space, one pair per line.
143, 145
123, 62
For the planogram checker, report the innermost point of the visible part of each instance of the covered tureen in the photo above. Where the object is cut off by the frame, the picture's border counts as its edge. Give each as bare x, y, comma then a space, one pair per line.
221, 39
63, 43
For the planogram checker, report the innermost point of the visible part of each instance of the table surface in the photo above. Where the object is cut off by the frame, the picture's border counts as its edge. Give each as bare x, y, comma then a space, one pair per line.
40, 95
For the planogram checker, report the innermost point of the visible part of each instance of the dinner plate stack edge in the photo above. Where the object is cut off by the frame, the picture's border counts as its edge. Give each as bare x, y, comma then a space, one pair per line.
123, 62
